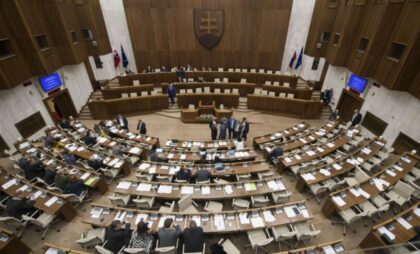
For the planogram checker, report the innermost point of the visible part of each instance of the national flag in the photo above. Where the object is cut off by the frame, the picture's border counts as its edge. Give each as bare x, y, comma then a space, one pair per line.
292, 60
299, 61
124, 58
117, 59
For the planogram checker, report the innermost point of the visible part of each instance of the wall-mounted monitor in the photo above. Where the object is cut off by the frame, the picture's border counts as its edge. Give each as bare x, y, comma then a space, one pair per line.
357, 83
50, 82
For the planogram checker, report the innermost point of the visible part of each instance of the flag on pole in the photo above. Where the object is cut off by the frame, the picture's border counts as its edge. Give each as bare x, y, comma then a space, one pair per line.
292, 60
117, 59
124, 58
299, 61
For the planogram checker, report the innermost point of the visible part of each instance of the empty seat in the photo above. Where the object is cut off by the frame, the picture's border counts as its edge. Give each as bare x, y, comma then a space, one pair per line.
272, 94
124, 95
282, 95
290, 96
283, 233
253, 71
225, 80
257, 92
238, 70
198, 90
217, 80
228, 246
235, 91
400, 193
264, 92
281, 197
119, 200
267, 83
144, 93
286, 84
182, 91
136, 82
244, 70
189, 91
220, 69
133, 94
187, 205
276, 83
259, 201
191, 106
259, 238
190, 80
278, 72
230, 70
239, 203
269, 72
206, 89
261, 71
227, 91
157, 70
243, 80
217, 90
305, 232
92, 238
213, 207
144, 202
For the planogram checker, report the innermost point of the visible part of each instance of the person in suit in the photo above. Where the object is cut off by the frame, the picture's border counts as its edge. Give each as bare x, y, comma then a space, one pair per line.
95, 163
183, 174
202, 175
74, 185
223, 129
163, 68
356, 118
334, 115
48, 142
193, 238
244, 129
275, 153
181, 74
19, 205
213, 130
61, 179
122, 121
64, 124
50, 175
189, 68
116, 236
231, 127
33, 168
169, 233
89, 139
171, 93
69, 158
117, 150
141, 127
148, 69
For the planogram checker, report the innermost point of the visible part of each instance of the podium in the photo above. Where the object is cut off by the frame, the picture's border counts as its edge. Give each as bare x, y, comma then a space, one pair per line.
204, 113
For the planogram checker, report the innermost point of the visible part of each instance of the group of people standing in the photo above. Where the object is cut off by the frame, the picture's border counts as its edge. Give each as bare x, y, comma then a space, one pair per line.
230, 129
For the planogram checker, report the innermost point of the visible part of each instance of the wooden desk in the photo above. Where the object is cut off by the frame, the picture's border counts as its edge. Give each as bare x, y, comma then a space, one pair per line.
216, 191
330, 206
67, 250
117, 131
402, 234
225, 156
109, 93
228, 100
61, 206
201, 144
307, 109
337, 245
167, 77
230, 219
11, 244
243, 88
239, 168
108, 109
289, 161
346, 166
300, 93
257, 141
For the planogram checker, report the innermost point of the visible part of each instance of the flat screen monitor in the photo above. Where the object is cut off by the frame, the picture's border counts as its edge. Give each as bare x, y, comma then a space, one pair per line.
357, 83
50, 82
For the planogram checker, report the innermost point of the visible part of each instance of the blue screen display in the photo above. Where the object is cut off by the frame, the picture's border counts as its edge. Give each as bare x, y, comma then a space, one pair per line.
50, 82
357, 83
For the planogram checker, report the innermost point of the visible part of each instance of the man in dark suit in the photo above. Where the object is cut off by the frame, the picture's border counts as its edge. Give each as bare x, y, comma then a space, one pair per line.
95, 163
193, 238
183, 174
31, 167
169, 233
275, 153
231, 127
116, 236
122, 121
223, 127
171, 93
64, 124
89, 140
244, 129
19, 205
335, 115
213, 129
141, 127
356, 118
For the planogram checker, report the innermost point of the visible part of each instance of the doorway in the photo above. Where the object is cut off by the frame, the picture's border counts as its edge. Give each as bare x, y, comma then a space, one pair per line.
60, 105
349, 102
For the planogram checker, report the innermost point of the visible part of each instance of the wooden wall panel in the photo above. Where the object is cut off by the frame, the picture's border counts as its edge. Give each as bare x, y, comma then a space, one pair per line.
254, 33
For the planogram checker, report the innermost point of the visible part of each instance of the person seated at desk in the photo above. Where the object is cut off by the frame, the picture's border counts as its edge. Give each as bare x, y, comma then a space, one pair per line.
69, 158
89, 140
122, 121
148, 69
356, 118
169, 233
202, 175
116, 236
74, 185
61, 179
141, 127
19, 205
193, 238
218, 164
183, 174
163, 69
117, 150
95, 163
50, 175
32, 168
48, 141
275, 153
141, 238
239, 143
64, 124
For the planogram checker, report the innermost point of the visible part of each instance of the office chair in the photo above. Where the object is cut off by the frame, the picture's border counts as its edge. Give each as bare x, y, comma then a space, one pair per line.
259, 238
168, 249
92, 237
187, 205
200, 252
119, 200
228, 246
43, 221
305, 232
144, 202
284, 233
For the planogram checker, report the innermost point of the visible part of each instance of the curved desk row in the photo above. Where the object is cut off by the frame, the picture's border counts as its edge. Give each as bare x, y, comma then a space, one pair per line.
290, 107
165, 77
228, 100
107, 109
301, 93
243, 88
133, 91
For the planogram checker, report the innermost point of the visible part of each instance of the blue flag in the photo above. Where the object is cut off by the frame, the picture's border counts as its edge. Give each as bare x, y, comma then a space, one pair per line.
124, 58
299, 61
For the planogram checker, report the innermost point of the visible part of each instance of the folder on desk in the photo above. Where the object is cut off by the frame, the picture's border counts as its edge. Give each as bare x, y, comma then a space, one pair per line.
338, 200
51, 201
144, 187
219, 222
120, 215
404, 223
243, 218
124, 185
250, 187
205, 190
144, 166
268, 216
9, 184
91, 180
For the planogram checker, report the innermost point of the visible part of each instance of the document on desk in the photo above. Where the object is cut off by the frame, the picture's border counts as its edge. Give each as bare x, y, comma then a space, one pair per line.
113, 143
24, 145
407, 160
144, 187
205, 190
364, 193
289, 211
144, 166
257, 222
9, 184
277, 134
366, 150
390, 172
417, 211
297, 157
384, 230
320, 133
273, 185
80, 149
398, 168
320, 149
113, 162
141, 217
268, 216
134, 150
303, 140
308, 176
336, 166
354, 192
380, 143
183, 157
124, 185
305, 213
85, 176
187, 190
243, 218
36, 195
301, 125
287, 160
120, 215
23, 188
102, 140
96, 212
287, 132
152, 170
228, 189
165, 189
311, 138
330, 145
170, 156
51, 201
404, 223
324, 172
328, 249
219, 222
338, 200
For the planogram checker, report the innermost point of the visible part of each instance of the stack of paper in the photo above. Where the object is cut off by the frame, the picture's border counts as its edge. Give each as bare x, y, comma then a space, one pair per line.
134, 150
219, 222
338, 200
384, 230
183, 157
9, 184
228, 189
289, 211
391, 173
51, 201
363, 193
404, 223
268, 216
303, 140
320, 149
124, 185
324, 172
96, 212
152, 170
187, 190
355, 192
336, 166
144, 187
398, 168
205, 190
308, 176
310, 153
165, 189
328, 249
257, 222
297, 157
243, 218
330, 145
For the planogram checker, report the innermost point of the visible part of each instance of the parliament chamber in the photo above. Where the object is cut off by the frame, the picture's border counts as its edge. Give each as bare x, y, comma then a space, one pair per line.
206, 126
